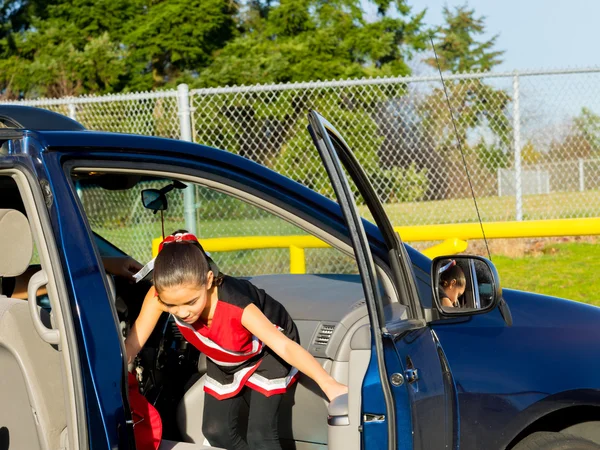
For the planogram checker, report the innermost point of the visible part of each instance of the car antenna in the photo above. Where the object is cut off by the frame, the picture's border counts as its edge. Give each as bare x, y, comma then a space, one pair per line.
462, 153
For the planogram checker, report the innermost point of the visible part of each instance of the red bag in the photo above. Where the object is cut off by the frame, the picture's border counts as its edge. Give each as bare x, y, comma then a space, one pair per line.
147, 424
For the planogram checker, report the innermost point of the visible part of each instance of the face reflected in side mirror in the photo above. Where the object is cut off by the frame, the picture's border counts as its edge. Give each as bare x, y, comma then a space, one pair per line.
464, 285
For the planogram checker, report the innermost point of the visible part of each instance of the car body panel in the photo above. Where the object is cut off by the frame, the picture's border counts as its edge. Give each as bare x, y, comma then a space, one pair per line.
547, 351
431, 396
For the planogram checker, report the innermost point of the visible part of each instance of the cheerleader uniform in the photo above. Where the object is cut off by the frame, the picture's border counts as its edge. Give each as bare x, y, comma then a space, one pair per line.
238, 362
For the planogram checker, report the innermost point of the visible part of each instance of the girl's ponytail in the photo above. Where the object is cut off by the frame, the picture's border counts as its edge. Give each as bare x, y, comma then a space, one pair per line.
451, 271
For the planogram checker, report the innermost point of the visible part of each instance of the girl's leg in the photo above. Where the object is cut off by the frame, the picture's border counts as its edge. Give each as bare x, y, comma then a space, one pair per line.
220, 422
263, 417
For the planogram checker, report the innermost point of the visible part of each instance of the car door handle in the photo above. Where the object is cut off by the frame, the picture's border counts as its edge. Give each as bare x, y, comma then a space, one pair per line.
411, 375
337, 411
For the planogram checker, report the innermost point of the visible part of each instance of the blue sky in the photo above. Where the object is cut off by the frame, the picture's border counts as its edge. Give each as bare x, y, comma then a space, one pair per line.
536, 34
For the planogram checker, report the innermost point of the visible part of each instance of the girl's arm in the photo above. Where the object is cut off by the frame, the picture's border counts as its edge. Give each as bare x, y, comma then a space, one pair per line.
144, 324
257, 323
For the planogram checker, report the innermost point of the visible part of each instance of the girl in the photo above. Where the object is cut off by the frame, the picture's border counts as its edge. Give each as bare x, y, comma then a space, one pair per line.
452, 284
250, 341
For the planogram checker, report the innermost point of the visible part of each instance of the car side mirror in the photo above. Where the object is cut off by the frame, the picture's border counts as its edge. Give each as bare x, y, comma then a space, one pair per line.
154, 199
465, 285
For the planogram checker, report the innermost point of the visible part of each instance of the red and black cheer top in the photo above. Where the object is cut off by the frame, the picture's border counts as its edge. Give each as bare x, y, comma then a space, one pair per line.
236, 358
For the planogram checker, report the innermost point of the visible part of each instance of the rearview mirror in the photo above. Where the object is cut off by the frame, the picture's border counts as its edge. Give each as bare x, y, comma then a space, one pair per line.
154, 199
464, 285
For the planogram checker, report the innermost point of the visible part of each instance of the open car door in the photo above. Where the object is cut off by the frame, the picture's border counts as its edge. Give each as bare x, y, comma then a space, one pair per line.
404, 392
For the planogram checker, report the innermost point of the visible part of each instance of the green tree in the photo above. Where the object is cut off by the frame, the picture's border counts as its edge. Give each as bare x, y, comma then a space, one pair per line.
310, 40
477, 107
18, 15
529, 154
58, 68
72, 47
302, 40
60, 47
587, 125
582, 139
456, 43
171, 39
300, 159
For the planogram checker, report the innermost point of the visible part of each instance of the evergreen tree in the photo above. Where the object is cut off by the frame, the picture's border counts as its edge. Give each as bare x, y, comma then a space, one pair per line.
73, 47
475, 105
457, 46
171, 39
301, 40
310, 40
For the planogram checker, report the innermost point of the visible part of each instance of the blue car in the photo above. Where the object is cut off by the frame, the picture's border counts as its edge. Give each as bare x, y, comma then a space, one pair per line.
492, 368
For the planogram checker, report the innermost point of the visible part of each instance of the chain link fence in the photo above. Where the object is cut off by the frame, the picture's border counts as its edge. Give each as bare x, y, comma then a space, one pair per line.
530, 141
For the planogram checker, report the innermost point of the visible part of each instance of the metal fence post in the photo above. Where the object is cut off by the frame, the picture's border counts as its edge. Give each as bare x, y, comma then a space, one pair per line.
189, 197
517, 149
72, 111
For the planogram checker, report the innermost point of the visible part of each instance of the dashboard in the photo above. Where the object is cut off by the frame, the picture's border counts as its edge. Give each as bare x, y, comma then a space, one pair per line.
329, 311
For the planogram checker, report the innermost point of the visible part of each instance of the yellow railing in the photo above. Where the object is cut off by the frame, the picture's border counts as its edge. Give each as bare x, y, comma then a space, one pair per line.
454, 237
499, 230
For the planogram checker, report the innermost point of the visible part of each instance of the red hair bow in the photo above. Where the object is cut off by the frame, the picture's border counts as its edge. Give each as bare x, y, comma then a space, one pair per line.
452, 263
179, 237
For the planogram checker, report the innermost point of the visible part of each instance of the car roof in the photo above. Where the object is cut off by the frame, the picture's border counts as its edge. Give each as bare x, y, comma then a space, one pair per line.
27, 117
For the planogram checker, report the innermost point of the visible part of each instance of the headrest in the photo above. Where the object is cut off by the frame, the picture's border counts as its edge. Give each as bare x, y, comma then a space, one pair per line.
16, 243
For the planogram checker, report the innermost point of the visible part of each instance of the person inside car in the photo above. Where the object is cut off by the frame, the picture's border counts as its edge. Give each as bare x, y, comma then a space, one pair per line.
250, 340
119, 266
452, 284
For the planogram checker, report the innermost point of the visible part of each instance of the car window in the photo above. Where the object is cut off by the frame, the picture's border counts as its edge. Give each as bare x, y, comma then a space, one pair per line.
118, 216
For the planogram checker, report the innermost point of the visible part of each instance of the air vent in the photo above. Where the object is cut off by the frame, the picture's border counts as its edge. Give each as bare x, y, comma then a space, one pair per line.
324, 334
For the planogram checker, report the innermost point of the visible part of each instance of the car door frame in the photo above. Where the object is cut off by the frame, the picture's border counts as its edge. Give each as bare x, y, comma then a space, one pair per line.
35, 189
337, 156
107, 423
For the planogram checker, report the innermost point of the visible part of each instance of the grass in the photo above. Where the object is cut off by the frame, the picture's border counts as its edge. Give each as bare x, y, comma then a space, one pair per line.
557, 205
567, 270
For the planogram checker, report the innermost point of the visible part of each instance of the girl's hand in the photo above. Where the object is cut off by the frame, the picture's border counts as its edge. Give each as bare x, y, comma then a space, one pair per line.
335, 389
121, 266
